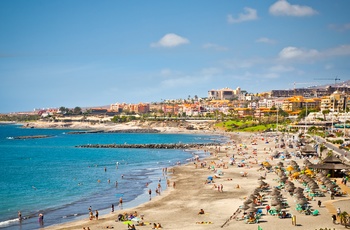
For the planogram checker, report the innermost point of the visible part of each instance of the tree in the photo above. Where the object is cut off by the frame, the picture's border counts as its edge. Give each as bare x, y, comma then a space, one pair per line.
63, 109
325, 112
77, 110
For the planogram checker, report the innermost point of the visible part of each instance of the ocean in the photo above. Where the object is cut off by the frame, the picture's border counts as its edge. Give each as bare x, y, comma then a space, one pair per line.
53, 177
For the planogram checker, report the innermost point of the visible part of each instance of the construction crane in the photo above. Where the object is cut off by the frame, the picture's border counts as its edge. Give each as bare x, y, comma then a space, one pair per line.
329, 79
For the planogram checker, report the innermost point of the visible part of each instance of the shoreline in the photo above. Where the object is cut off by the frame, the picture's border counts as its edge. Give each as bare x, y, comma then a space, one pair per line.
177, 208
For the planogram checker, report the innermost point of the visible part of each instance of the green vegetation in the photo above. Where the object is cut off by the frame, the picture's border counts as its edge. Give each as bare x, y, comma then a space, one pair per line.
19, 118
121, 119
245, 126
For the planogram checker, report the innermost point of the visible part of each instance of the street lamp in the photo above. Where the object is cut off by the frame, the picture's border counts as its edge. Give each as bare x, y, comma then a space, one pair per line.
277, 120
305, 116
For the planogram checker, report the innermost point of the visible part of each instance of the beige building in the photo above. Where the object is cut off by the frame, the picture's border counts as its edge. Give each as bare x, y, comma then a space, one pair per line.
224, 94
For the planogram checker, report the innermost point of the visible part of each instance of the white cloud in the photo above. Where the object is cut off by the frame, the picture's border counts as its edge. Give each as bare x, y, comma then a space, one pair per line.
181, 81
215, 47
294, 53
165, 72
170, 40
291, 52
211, 71
342, 50
265, 40
243, 63
281, 68
270, 75
248, 15
340, 28
284, 8
328, 66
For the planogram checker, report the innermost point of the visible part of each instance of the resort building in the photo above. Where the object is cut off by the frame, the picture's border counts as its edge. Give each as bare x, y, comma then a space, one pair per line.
224, 94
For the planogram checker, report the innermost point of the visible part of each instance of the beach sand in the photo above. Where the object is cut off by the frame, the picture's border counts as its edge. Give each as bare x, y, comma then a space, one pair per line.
177, 208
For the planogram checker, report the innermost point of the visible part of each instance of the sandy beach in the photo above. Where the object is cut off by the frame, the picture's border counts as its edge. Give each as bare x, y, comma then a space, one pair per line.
177, 207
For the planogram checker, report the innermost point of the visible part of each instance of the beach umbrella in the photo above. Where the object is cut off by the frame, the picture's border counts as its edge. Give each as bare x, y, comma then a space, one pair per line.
280, 174
257, 189
256, 192
210, 178
331, 185
252, 205
275, 202
301, 201
290, 183
252, 197
278, 207
248, 201
251, 209
290, 168
284, 179
298, 190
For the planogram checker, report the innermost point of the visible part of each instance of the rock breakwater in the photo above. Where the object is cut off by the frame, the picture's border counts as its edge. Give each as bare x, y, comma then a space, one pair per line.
30, 137
150, 146
116, 131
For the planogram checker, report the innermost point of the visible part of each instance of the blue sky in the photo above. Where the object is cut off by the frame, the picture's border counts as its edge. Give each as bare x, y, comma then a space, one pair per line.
90, 53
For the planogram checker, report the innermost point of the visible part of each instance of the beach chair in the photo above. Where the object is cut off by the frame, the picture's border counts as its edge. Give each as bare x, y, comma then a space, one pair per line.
299, 208
315, 212
273, 212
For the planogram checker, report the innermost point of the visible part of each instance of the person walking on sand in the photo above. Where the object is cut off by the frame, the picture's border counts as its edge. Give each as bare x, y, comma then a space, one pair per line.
267, 209
150, 193
319, 203
334, 218
112, 207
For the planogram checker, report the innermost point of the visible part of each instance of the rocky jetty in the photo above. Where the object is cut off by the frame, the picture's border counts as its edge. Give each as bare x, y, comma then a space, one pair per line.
116, 131
31, 137
148, 146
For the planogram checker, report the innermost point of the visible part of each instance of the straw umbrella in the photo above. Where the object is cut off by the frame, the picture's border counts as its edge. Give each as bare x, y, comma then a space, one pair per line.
244, 207
251, 209
248, 201
301, 201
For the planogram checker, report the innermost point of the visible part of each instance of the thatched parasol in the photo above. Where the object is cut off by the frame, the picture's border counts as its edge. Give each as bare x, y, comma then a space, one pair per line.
301, 201
251, 209
247, 201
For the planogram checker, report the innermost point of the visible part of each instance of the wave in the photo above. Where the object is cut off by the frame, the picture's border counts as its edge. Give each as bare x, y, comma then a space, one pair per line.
10, 138
8, 222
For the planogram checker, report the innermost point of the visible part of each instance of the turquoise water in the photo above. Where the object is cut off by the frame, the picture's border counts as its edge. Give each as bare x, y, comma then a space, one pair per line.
53, 177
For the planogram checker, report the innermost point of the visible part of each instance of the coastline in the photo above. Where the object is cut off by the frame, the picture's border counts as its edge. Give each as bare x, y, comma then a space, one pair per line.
177, 208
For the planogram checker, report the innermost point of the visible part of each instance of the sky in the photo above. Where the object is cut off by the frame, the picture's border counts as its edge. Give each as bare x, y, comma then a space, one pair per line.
90, 53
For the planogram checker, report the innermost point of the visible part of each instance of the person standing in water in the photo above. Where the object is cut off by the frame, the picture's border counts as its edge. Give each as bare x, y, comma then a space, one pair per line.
121, 203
